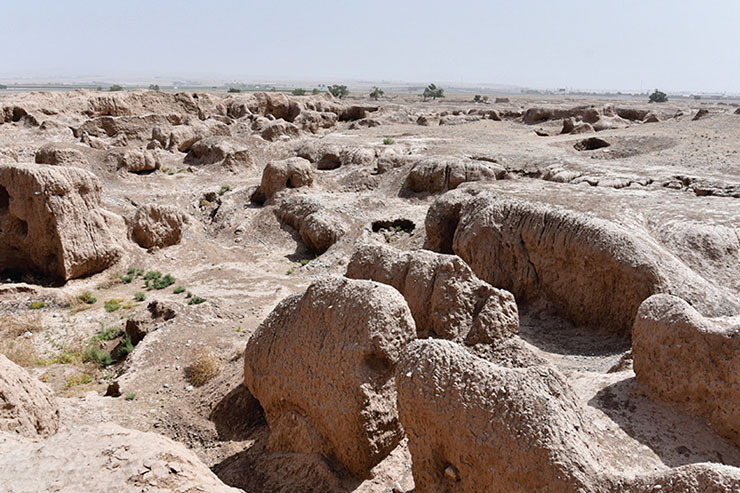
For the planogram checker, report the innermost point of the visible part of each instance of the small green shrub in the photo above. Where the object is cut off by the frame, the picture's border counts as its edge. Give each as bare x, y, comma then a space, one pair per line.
107, 334
154, 87
127, 279
126, 347
130, 396
178, 290
93, 354
388, 142
299, 92
87, 297
224, 189
37, 305
376, 93
111, 305
139, 296
189, 295
234, 89
75, 380
163, 282
304, 262
152, 274
658, 97
196, 300
115, 87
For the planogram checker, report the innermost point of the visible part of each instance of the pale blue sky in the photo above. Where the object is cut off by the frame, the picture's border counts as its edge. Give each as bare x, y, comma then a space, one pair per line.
597, 44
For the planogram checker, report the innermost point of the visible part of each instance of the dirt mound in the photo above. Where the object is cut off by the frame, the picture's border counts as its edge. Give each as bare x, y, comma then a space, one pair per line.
279, 175
687, 359
211, 150
439, 175
27, 406
157, 226
590, 270
333, 156
61, 155
321, 365
132, 160
104, 457
51, 222
143, 322
318, 227
446, 299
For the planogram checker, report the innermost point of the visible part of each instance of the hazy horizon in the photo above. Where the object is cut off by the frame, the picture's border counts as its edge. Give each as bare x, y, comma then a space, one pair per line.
601, 46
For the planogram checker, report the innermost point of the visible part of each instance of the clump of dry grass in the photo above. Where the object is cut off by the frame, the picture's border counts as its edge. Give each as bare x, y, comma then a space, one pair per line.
12, 326
21, 352
203, 367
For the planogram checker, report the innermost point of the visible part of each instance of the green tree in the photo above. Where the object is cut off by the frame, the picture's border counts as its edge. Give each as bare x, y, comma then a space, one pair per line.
299, 92
315, 91
338, 91
376, 93
2, 86
154, 87
434, 92
115, 87
658, 97
234, 89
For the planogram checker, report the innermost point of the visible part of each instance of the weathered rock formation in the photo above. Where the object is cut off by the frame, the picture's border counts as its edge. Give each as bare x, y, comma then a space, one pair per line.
27, 406
279, 175
446, 299
143, 322
61, 155
103, 457
691, 361
439, 175
590, 270
157, 226
51, 222
321, 365
318, 227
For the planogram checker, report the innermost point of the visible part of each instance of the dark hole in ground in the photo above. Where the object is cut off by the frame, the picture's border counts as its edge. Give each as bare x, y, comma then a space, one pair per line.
405, 225
590, 144
329, 161
4, 200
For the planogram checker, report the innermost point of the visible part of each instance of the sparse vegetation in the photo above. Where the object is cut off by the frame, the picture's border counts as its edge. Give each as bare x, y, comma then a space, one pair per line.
338, 91
37, 305
178, 290
12, 326
388, 141
224, 189
299, 91
658, 97
434, 92
107, 334
315, 91
79, 379
112, 305
163, 282
376, 93
204, 366
130, 396
196, 300
480, 99
234, 89
87, 298
125, 348
115, 87
139, 296
94, 354
21, 352
154, 87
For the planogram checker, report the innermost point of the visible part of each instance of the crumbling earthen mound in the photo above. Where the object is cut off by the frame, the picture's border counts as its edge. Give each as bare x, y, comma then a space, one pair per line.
446, 299
521, 429
589, 270
438, 175
279, 175
157, 226
211, 150
27, 406
133, 160
51, 222
103, 457
318, 227
590, 144
61, 155
692, 361
321, 365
